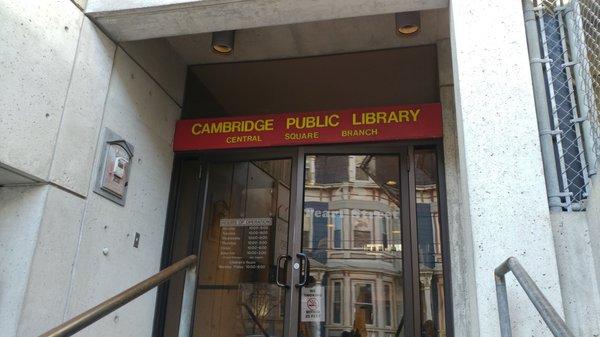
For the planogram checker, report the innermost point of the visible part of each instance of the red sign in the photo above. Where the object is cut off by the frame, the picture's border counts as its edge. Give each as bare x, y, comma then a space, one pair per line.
398, 122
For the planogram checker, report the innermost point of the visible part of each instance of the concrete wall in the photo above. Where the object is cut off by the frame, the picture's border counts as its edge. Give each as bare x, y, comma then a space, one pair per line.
18, 231
51, 262
63, 82
153, 55
502, 189
593, 218
137, 109
578, 253
38, 48
83, 111
573, 237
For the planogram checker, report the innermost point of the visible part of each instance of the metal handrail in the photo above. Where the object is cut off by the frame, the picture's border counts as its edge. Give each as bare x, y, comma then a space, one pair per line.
555, 323
85, 319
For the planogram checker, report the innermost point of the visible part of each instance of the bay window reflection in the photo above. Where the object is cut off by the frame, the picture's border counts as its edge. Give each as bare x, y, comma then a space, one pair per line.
431, 268
337, 302
387, 293
352, 203
363, 303
362, 230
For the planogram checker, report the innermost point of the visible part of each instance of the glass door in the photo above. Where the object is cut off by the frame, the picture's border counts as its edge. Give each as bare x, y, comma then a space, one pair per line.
241, 286
354, 236
340, 241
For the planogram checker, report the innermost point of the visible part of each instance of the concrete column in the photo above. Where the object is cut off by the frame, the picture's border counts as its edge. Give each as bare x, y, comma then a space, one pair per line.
439, 283
501, 176
311, 170
347, 230
347, 301
379, 298
459, 231
426, 295
377, 235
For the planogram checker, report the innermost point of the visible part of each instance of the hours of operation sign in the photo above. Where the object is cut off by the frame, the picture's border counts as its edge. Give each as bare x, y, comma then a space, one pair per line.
244, 243
397, 122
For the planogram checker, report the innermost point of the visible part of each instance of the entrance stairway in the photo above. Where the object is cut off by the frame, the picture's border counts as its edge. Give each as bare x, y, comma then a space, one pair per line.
85, 319
555, 323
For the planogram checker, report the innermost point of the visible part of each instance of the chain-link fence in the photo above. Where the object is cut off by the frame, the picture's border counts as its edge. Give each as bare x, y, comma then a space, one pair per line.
564, 47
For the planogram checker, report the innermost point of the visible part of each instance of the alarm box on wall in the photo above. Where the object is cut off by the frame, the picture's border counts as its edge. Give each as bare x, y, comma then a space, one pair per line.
114, 167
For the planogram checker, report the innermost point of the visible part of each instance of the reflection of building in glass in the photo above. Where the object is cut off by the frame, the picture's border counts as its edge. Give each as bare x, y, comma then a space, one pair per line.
246, 229
353, 234
429, 237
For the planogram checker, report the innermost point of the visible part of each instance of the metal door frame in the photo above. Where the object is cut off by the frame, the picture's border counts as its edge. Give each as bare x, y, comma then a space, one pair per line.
403, 149
409, 256
209, 158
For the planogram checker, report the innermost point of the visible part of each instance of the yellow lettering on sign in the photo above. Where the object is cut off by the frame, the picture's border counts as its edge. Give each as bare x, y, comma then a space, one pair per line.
334, 120
233, 126
403, 115
306, 122
415, 114
226, 127
360, 132
216, 128
196, 129
236, 126
383, 117
312, 122
243, 139
269, 125
301, 135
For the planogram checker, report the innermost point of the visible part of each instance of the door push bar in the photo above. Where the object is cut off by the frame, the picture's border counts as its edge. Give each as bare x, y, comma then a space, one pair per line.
286, 258
304, 270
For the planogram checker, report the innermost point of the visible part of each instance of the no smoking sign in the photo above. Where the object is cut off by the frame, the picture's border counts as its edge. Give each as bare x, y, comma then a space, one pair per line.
312, 304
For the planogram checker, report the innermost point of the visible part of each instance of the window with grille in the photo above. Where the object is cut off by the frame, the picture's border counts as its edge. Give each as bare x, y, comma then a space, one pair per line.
564, 51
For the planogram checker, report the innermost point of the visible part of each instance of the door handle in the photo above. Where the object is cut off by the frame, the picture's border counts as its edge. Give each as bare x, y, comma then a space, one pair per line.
304, 271
285, 263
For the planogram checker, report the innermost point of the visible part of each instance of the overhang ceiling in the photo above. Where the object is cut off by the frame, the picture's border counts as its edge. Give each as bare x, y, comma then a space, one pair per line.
314, 38
374, 78
130, 20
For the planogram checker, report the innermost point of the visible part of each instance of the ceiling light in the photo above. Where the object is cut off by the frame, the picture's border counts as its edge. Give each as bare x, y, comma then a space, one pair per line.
222, 42
391, 183
408, 23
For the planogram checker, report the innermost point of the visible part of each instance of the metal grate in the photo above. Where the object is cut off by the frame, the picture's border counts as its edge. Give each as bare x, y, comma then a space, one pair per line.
568, 48
587, 15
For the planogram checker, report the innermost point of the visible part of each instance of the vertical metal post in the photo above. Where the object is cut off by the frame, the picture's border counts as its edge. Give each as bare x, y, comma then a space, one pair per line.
562, 166
292, 294
187, 302
503, 312
575, 108
555, 323
583, 105
541, 107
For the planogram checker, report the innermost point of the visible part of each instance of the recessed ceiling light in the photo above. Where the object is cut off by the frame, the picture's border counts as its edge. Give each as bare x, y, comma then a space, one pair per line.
408, 23
222, 42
